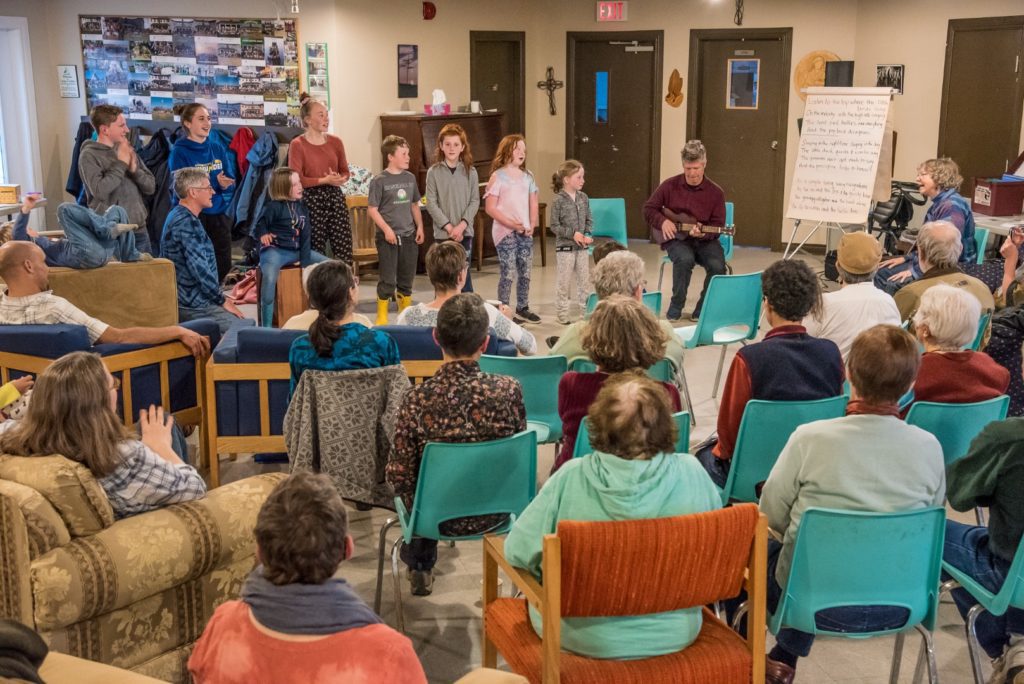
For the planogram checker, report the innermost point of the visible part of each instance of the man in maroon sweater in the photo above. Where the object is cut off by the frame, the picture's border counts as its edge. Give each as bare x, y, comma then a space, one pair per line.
692, 193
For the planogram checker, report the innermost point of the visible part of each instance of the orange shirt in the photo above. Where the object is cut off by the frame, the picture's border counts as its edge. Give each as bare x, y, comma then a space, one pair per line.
313, 162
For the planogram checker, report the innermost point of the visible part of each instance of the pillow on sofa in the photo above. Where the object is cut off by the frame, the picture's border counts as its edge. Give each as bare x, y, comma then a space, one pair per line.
68, 486
45, 528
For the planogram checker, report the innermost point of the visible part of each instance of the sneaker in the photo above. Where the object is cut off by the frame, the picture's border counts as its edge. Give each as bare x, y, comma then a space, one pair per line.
563, 321
421, 582
528, 315
673, 317
551, 341
694, 316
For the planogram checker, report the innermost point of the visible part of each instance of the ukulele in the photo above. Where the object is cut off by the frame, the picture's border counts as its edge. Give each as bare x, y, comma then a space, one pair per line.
684, 222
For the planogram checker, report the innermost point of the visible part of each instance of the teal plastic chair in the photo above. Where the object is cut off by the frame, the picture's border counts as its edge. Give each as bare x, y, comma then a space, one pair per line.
539, 376
458, 481
905, 401
1010, 595
982, 327
652, 300
682, 420
731, 313
980, 243
956, 425
609, 219
663, 371
725, 240
764, 430
848, 558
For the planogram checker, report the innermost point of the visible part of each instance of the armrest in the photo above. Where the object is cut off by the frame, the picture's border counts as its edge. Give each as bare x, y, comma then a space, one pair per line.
494, 550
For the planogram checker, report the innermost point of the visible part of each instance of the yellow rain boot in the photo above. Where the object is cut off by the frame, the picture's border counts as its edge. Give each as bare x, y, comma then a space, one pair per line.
382, 311
404, 302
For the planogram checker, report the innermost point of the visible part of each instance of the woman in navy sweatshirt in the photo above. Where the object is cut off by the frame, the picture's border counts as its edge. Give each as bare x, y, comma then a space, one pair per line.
201, 151
283, 232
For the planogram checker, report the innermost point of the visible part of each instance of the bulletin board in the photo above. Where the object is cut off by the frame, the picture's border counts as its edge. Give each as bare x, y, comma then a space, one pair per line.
244, 71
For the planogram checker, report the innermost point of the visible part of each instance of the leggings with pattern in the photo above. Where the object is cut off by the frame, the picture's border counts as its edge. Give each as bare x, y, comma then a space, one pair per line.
515, 256
328, 216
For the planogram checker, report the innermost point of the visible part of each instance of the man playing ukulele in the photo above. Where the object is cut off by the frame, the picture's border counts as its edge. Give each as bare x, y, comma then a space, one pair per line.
689, 193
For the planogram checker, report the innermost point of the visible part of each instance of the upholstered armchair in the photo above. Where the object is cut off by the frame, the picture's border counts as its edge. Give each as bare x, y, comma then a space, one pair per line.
134, 593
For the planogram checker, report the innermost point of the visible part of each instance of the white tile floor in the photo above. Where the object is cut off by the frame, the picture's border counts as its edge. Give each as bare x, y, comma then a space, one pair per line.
446, 627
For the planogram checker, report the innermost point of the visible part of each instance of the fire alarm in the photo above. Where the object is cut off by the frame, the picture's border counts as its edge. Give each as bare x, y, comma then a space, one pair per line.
429, 10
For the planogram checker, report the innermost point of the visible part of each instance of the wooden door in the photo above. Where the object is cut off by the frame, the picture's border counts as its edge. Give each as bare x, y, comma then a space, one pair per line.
613, 115
739, 101
496, 67
982, 95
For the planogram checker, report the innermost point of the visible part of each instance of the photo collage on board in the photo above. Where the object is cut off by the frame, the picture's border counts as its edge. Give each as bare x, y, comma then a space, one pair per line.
244, 71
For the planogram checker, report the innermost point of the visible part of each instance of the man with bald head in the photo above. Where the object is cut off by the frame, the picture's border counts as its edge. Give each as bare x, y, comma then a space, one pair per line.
939, 245
29, 301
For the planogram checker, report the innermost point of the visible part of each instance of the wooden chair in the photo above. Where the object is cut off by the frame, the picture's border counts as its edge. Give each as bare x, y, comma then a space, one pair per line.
364, 245
634, 567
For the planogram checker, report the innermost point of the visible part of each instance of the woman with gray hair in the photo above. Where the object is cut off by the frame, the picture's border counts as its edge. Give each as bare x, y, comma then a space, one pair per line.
945, 323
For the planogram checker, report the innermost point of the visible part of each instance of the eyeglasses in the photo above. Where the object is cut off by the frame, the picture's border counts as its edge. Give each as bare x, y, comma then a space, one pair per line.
115, 383
203, 188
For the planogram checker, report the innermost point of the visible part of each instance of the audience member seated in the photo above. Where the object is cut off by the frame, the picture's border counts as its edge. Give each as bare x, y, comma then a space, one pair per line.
297, 619
788, 365
305, 319
990, 475
947, 321
620, 272
28, 301
858, 304
939, 248
187, 245
335, 341
605, 248
622, 335
458, 404
632, 474
869, 460
73, 413
447, 268
938, 180
90, 239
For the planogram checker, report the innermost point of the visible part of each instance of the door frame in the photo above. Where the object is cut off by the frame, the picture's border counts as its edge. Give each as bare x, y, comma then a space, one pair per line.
572, 38
982, 24
698, 38
517, 37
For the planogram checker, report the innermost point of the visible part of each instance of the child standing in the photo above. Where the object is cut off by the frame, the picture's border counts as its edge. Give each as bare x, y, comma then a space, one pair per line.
511, 200
283, 231
393, 205
453, 195
571, 222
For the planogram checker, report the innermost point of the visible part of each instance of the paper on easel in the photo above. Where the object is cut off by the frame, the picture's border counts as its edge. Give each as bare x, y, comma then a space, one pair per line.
883, 177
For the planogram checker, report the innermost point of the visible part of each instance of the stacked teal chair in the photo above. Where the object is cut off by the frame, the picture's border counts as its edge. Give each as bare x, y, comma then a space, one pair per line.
980, 242
983, 322
764, 430
682, 420
652, 300
459, 481
609, 219
725, 240
539, 376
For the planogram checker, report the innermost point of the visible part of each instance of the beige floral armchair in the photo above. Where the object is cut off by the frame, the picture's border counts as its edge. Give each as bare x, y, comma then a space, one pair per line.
135, 593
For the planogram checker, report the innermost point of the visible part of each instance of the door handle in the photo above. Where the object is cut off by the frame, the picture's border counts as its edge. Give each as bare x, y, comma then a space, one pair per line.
584, 139
775, 144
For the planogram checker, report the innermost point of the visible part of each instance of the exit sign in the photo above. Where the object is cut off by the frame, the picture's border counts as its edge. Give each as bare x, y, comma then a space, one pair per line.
613, 11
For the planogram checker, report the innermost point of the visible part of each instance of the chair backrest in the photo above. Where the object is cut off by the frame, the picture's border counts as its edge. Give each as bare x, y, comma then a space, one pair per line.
983, 322
652, 300
728, 240
609, 218
682, 561
682, 421
459, 480
764, 430
363, 230
538, 375
956, 425
851, 558
732, 301
663, 371
1012, 591
980, 242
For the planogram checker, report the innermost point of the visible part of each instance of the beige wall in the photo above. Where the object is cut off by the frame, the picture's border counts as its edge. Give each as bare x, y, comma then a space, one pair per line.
362, 40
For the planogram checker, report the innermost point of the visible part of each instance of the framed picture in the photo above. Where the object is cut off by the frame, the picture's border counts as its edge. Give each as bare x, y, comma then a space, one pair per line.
408, 70
67, 77
317, 81
889, 76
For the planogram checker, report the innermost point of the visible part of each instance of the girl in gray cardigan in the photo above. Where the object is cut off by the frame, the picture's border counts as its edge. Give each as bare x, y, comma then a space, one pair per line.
453, 192
571, 222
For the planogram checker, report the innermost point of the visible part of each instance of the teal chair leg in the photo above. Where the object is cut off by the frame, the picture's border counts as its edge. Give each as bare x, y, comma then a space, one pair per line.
970, 626
661, 272
396, 578
681, 377
718, 373
382, 545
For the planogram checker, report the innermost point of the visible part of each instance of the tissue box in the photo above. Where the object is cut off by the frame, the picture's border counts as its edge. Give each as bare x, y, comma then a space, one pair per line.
437, 110
10, 194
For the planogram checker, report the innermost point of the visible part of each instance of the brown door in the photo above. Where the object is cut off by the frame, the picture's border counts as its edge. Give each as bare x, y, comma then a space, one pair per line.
982, 94
613, 115
739, 100
496, 66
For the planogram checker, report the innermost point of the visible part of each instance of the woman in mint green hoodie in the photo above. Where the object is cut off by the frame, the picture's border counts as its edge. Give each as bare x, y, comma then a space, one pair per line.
632, 474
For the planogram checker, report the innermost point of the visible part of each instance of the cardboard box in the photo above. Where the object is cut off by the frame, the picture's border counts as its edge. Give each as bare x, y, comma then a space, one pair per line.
994, 197
10, 194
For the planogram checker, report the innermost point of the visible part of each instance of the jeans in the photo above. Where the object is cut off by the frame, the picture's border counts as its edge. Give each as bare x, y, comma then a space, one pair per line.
685, 254
89, 241
515, 256
272, 259
221, 316
882, 276
397, 265
572, 266
419, 554
467, 244
967, 549
718, 468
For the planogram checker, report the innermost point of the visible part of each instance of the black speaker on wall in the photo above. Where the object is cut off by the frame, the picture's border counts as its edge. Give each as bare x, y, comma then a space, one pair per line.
839, 74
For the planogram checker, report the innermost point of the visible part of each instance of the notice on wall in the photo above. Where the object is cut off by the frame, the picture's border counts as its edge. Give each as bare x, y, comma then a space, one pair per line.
838, 158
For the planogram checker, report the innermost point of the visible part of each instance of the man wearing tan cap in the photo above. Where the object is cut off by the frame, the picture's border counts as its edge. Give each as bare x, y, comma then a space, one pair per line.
858, 304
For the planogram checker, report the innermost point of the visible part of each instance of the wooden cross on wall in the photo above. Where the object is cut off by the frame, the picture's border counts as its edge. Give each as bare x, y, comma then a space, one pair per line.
550, 85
